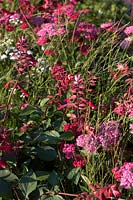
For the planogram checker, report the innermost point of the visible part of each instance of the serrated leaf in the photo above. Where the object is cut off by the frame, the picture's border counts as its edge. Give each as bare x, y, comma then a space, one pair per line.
46, 153
8, 176
42, 175
28, 184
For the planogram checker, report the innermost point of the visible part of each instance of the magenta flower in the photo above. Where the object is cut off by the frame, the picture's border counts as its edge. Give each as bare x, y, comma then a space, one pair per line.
69, 150
89, 31
124, 175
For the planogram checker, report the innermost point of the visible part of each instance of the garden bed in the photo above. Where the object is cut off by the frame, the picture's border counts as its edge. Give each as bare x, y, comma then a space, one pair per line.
66, 100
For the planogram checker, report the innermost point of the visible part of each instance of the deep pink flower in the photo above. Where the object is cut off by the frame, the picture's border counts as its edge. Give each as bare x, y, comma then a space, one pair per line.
78, 161
24, 26
42, 40
69, 150
84, 49
24, 92
6, 147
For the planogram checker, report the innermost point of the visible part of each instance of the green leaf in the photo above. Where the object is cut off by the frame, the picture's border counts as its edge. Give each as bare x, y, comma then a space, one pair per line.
46, 153
8, 176
52, 197
30, 110
44, 101
67, 136
28, 183
54, 178
42, 175
5, 190
47, 137
85, 179
74, 174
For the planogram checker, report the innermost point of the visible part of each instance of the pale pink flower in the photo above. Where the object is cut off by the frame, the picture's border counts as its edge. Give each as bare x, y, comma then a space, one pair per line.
131, 128
126, 42
107, 25
128, 30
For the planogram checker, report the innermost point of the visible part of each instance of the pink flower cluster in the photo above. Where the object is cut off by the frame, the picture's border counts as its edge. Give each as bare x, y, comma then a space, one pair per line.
87, 142
108, 135
70, 153
75, 86
126, 104
124, 175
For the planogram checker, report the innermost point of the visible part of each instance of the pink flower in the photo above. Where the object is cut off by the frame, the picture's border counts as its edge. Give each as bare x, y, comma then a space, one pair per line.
131, 128
42, 40
128, 30
126, 42
69, 150
120, 109
84, 49
87, 142
124, 175
51, 29
107, 25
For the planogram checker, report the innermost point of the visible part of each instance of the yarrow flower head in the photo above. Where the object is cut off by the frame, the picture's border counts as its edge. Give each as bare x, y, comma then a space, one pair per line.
124, 175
